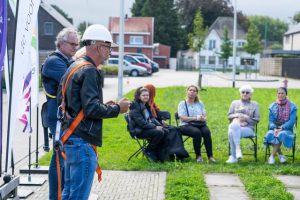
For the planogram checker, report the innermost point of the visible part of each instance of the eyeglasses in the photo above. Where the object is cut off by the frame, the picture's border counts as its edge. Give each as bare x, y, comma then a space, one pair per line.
245, 92
72, 44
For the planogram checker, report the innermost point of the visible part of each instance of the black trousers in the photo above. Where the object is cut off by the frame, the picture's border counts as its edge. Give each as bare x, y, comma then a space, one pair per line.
197, 134
153, 135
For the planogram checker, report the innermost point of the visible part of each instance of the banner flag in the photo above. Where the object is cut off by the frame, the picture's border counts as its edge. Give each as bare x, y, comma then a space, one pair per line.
26, 16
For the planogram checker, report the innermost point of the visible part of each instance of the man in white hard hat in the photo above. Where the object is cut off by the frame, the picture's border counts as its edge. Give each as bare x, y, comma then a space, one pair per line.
83, 94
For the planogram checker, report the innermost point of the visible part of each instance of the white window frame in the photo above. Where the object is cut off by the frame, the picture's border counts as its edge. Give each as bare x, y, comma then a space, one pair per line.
51, 29
136, 40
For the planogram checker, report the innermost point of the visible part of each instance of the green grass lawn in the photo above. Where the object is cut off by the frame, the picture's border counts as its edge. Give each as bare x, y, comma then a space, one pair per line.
185, 180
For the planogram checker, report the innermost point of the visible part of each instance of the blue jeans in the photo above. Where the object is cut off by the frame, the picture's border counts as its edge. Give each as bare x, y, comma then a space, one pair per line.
80, 168
52, 175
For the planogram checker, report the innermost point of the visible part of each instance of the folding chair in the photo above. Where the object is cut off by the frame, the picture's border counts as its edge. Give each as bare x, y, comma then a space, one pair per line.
142, 144
268, 151
187, 137
254, 142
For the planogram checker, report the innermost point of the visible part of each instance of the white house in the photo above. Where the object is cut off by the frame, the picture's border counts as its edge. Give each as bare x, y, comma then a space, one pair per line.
291, 39
210, 53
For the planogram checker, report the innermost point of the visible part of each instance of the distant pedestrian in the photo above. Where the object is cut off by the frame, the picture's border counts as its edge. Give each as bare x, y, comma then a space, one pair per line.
54, 67
82, 98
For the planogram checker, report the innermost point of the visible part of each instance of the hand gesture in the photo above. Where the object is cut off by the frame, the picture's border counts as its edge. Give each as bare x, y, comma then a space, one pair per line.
124, 104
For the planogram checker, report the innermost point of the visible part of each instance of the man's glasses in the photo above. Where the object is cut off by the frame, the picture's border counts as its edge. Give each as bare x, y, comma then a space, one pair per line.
72, 44
244, 92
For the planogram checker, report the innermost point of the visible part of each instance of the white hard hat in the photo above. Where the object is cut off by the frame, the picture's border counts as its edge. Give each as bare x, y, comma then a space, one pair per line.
97, 32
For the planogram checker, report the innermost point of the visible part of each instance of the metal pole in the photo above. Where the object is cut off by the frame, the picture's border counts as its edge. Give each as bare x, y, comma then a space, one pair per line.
121, 51
234, 45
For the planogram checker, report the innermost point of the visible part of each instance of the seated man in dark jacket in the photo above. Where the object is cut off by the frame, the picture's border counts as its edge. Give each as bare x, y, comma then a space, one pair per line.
145, 125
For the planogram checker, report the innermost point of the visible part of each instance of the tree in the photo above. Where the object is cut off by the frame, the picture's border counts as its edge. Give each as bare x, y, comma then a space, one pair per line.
197, 37
253, 45
63, 13
272, 30
296, 18
137, 7
166, 24
211, 10
82, 26
226, 48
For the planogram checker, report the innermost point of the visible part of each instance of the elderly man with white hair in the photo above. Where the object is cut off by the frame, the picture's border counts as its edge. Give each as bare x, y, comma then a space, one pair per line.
243, 115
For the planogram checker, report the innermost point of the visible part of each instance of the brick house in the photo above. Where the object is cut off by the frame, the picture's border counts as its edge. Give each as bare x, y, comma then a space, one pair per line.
138, 34
161, 55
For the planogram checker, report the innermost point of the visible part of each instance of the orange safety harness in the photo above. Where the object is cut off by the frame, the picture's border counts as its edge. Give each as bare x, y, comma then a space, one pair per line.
70, 130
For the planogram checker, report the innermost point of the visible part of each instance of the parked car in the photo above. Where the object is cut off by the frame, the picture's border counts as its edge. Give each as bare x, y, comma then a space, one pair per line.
129, 69
135, 61
143, 58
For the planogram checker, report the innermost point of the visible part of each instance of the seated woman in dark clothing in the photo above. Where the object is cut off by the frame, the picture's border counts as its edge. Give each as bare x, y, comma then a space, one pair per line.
192, 110
144, 122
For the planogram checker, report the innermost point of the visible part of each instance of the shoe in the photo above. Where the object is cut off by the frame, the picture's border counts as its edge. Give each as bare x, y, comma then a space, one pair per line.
211, 159
150, 155
239, 154
231, 160
271, 160
282, 158
199, 159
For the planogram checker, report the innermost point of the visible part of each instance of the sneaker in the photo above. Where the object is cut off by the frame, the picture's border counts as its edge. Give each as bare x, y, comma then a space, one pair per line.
239, 154
231, 160
199, 159
282, 158
211, 159
271, 160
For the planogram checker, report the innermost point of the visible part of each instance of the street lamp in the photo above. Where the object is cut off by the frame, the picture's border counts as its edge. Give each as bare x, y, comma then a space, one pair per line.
234, 44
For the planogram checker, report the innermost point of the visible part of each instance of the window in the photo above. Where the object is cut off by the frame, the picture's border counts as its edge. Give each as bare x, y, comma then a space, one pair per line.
211, 60
202, 59
136, 40
287, 39
48, 28
117, 39
241, 44
212, 44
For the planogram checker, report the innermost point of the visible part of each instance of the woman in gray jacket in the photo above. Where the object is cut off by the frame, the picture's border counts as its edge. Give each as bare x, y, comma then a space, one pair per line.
243, 115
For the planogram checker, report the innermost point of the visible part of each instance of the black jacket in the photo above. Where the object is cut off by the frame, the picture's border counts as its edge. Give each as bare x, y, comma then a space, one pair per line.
84, 91
138, 117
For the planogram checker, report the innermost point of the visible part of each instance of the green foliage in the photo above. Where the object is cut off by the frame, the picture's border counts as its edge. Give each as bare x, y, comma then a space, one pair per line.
276, 45
196, 39
253, 45
137, 7
82, 26
296, 17
110, 69
226, 48
274, 28
185, 179
166, 24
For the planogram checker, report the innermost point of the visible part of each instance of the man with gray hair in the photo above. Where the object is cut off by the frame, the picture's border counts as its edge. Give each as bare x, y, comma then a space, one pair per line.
54, 67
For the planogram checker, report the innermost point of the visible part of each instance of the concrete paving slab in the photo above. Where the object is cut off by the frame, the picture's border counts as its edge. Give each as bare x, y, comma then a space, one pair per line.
295, 193
227, 193
225, 187
290, 181
229, 180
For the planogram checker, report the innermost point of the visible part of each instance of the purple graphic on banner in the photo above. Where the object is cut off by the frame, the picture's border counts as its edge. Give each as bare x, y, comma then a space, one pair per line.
3, 38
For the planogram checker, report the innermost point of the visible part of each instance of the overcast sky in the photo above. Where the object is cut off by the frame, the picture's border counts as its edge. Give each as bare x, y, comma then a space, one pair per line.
98, 11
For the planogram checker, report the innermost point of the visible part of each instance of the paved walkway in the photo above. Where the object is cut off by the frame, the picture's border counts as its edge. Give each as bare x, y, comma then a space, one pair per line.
164, 78
225, 187
292, 184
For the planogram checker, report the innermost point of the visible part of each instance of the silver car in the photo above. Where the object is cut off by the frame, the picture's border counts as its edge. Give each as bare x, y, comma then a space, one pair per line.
128, 68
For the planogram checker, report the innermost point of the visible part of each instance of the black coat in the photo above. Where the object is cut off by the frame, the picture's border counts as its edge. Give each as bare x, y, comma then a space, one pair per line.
84, 91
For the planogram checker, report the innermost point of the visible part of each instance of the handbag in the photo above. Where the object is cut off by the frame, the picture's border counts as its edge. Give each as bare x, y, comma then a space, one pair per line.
197, 124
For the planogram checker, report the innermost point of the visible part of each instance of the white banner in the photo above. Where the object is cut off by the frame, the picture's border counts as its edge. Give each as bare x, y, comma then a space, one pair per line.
26, 18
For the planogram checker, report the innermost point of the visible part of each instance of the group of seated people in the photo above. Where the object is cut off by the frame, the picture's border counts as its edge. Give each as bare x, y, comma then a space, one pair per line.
243, 116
